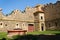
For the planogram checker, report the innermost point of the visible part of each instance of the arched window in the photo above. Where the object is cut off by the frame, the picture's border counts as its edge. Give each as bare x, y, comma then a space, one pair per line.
41, 17
17, 25
1, 25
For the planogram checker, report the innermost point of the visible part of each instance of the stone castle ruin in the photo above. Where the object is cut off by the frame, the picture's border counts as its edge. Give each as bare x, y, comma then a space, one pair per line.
38, 18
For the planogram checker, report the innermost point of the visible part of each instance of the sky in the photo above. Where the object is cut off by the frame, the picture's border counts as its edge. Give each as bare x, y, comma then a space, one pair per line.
10, 5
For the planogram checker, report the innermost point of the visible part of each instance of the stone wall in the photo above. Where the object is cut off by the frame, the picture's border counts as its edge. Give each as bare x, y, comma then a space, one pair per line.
52, 16
19, 19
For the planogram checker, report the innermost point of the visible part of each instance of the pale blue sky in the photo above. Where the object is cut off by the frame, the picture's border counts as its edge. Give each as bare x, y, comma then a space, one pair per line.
9, 5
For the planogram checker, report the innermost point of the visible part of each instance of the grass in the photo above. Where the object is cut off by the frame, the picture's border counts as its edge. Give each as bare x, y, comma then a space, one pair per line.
44, 32
3, 35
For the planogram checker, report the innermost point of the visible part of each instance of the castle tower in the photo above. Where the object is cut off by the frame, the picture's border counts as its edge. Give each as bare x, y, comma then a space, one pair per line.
41, 22
39, 19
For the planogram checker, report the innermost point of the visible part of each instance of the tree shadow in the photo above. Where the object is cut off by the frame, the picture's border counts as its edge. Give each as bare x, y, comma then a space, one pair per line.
38, 37
3, 39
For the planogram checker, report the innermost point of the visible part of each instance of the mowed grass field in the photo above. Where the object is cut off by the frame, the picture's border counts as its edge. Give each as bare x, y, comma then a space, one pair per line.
4, 34
44, 32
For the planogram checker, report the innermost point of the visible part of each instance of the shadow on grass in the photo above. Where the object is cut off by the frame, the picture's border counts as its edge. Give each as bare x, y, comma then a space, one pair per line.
36, 37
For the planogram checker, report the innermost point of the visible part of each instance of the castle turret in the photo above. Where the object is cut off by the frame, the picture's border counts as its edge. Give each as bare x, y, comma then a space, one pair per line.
39, 18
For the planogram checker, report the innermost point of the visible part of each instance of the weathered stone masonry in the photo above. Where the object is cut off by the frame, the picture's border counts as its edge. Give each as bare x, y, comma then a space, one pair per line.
38, 18
24, 20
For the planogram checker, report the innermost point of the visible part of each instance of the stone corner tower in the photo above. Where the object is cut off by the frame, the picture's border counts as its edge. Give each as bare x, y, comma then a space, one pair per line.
39, 19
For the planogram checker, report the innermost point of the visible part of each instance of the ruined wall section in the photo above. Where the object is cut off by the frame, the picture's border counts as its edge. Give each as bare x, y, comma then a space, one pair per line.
52, 16
52, 11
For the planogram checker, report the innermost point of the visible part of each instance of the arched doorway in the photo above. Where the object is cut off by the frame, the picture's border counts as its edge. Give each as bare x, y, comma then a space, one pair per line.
42, 27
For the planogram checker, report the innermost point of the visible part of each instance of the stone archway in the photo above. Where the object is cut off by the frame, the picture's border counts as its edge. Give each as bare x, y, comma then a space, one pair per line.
42, 27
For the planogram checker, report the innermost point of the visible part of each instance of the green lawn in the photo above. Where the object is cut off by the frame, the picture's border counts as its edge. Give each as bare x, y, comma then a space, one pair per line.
44, 32
3, 35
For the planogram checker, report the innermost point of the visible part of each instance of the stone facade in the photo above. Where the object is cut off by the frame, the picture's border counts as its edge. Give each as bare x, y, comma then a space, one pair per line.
23, 20
40, 17
52, 16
